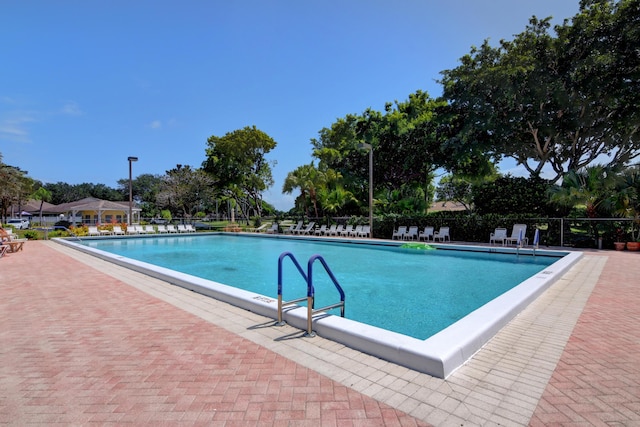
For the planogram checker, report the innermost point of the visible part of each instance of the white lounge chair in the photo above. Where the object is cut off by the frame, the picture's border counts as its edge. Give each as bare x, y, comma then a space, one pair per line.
442, 234
399, 233
307, 229
347, 231
518, 234
412, 233
93, 231
338, 230
182, 228
132, 229
320, 231
190, 228
365, 232
356, 231
117, 230
149, 229
294, 228
171, 228
426, 234
331, 231
262, 228
162, 228
273, 229
498, 235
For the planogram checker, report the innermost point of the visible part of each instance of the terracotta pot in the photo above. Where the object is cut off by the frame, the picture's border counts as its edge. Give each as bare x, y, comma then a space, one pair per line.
619, 245
633, 246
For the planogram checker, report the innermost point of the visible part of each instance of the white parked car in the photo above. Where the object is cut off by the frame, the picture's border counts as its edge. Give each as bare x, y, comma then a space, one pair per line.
20, 224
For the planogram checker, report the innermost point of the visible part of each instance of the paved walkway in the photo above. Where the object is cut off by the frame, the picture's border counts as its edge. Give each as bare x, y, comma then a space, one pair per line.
83, 341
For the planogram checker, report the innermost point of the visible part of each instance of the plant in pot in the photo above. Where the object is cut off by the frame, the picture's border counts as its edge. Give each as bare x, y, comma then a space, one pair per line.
627, 202
619, 244
634, 244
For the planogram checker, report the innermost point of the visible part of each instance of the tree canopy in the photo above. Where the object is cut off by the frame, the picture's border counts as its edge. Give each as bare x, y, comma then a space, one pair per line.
183, 190
15, 187
560, 101
237, 164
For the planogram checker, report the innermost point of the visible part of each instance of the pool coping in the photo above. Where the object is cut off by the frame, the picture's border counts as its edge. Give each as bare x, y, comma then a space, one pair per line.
439, 355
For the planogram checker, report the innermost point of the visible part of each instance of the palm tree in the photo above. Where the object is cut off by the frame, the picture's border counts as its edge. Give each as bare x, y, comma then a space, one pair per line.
627, 198
43, 195
309, 180
591, 186
335, 199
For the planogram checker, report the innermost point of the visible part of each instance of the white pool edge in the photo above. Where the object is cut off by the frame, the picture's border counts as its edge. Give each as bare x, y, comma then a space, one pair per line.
439, 355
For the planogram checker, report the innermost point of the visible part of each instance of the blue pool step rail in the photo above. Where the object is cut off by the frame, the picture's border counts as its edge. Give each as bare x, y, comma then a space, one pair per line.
308, 278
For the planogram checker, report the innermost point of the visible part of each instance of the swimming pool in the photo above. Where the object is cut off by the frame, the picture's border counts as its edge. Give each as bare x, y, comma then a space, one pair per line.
412, 292
469, 288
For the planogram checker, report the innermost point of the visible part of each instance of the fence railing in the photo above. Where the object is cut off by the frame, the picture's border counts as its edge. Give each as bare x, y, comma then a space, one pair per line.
562, 232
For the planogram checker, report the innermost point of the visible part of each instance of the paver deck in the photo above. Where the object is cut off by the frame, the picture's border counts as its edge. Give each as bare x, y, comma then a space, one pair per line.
83, 341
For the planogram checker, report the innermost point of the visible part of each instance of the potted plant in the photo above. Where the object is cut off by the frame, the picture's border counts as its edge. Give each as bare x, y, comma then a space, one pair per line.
619, 244
627, 202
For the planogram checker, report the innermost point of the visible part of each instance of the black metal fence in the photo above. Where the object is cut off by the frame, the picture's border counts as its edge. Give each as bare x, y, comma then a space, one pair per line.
563, 232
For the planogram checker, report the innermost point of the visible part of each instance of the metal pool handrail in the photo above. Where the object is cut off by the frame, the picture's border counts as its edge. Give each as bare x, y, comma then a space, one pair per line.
311, 291
282, 304
308, 278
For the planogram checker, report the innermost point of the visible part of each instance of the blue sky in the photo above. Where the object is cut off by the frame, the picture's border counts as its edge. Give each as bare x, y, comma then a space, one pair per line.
84, 85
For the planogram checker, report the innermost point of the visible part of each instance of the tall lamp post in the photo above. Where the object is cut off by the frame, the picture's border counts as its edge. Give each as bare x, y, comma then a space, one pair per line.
131, 160
369, 148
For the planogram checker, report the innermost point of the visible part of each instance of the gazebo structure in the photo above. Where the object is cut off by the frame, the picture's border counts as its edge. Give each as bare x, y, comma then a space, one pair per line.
97, 211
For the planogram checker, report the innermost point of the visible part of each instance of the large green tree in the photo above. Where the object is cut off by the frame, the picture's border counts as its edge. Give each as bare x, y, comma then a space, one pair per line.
237, 164
61, 192
145, 189
15, 187
560, 101
185, 190
407, 141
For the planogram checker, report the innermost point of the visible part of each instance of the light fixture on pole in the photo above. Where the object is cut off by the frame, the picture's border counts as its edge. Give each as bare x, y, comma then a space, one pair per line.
369, 147
131, 159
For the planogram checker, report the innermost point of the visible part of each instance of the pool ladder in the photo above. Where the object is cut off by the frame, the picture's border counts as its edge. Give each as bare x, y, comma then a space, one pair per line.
308, 278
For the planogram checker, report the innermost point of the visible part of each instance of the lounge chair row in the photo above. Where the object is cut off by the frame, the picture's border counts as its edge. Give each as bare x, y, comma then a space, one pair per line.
324, 230
518, 235
300, 228
411, 233
344, 230
142, 229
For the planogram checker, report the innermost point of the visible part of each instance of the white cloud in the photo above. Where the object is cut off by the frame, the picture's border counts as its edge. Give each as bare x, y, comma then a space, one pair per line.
71, 109
15, 129
160, 124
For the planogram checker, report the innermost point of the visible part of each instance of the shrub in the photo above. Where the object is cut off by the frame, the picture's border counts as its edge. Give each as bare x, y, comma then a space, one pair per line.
510, 195
31, 234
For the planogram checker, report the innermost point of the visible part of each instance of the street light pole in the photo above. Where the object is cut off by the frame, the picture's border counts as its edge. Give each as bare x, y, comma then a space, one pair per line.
369, 148
131, 159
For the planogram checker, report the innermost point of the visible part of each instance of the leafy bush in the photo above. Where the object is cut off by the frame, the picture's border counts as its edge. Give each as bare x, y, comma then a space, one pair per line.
510, 195
31, 234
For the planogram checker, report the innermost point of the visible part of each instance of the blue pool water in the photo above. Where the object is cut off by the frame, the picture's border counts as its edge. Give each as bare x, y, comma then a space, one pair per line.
412, 292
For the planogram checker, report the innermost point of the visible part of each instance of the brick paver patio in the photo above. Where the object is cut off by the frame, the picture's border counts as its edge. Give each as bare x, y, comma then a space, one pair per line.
78, 346
597, 381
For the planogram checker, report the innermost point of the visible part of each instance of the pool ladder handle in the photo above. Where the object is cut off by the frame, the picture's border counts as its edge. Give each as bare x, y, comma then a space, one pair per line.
310, 291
